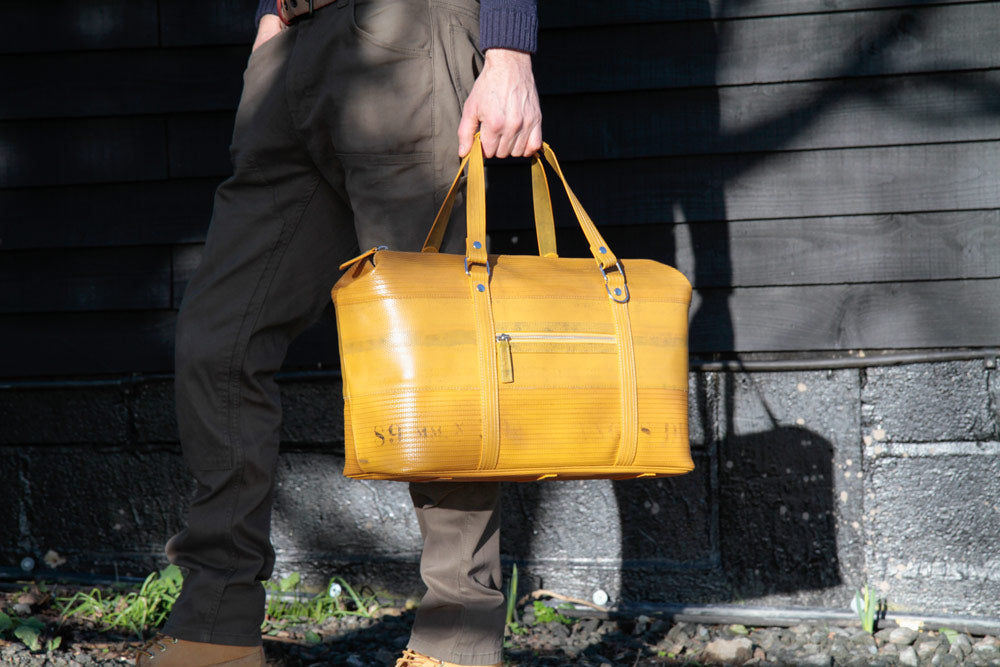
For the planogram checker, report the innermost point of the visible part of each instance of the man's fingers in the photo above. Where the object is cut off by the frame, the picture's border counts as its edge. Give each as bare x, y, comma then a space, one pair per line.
467, 129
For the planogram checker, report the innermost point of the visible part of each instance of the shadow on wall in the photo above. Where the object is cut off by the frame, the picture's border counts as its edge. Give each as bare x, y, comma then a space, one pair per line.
758, 516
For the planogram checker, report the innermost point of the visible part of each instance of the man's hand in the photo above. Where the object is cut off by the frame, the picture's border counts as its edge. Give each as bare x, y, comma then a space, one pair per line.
269, 26
503, 106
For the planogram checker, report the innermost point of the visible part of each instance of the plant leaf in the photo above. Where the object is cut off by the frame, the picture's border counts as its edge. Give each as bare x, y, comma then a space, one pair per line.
5, 622
312, 637
952, 635
29, 636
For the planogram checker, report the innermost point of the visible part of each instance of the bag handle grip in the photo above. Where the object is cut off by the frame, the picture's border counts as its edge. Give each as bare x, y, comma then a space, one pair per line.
545, 230
476, 216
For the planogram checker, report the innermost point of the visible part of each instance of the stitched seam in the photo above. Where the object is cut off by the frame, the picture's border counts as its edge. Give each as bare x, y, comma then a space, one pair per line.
234, 399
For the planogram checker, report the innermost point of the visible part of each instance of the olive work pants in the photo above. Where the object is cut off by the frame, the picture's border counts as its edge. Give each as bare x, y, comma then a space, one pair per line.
345, 138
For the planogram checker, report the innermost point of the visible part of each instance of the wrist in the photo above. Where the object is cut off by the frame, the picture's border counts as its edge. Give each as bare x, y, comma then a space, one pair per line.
509, 56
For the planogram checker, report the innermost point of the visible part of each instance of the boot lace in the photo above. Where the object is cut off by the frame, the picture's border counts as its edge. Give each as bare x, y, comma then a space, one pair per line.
156, 643
414, 659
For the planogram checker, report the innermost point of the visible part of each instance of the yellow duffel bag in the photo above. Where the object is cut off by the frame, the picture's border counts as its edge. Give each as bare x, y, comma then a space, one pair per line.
512, 367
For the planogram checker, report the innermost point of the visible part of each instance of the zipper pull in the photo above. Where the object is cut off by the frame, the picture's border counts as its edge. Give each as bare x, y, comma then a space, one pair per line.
505, 360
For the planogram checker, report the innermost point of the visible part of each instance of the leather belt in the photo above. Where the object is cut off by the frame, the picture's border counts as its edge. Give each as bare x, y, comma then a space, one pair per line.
290, 11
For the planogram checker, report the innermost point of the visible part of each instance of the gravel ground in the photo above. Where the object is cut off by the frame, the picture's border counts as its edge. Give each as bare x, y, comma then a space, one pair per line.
587, 642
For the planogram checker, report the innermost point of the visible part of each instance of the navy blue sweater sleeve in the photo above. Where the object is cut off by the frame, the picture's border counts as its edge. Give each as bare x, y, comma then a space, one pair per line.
265, 7
508, 24
503, 24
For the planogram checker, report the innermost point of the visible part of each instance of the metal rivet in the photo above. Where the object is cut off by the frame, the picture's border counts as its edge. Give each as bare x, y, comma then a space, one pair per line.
618, 291
481, 287
477, 245
603, 250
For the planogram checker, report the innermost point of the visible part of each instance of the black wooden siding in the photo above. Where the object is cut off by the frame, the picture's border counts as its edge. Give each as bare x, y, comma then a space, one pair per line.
826, 171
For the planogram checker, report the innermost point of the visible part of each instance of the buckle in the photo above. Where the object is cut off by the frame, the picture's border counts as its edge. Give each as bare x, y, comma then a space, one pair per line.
617, 297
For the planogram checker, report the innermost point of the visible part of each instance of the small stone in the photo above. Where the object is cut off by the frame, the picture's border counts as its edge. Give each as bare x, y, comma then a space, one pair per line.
759, 654
944, 660
902, 636
908, 657
926, 648
889, 650
728, 651
22, 609
815, 660
961, 646
354, 660
680, 632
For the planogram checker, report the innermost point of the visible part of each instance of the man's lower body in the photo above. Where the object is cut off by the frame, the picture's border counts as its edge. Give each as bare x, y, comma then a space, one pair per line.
345, 138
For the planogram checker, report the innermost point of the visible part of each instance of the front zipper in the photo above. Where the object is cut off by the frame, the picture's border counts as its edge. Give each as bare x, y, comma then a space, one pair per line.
505, 357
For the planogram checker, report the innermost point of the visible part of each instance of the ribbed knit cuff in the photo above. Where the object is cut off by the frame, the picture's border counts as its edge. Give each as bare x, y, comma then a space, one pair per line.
508, 28
265, 7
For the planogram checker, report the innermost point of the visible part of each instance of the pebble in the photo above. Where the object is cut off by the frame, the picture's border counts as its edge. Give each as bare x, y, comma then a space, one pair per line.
908, 657
902, 636
729, 651
591, 642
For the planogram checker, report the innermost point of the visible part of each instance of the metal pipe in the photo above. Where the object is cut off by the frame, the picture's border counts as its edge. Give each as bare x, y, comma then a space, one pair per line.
723, 614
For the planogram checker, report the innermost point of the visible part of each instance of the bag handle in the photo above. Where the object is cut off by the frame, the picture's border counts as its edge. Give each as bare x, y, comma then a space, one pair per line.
545, 229
475, 251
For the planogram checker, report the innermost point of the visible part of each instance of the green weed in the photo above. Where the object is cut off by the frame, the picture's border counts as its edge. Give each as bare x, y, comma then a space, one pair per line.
134, 611
288, 604
867, 607
512, 622
547, 614
28, 630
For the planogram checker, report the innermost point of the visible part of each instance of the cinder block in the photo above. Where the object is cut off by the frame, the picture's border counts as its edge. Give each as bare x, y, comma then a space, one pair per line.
312, 412
153, 411
789, 482
663, 521
703, 395
104, 500
933, 402
933, 525
319, 511
13, 542
94, 413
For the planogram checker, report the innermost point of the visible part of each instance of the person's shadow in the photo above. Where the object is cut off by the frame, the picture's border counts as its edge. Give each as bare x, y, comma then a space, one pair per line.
756, 517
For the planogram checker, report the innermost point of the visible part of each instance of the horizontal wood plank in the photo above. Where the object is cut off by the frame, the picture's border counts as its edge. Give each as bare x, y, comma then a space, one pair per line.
128, 214
573, 13
218, 22
846, 113
903, 179
115, 343
70, 25
805, 251
116, 83
92, 150
199, 145
68, 344
847, 317
102, 279
769, 50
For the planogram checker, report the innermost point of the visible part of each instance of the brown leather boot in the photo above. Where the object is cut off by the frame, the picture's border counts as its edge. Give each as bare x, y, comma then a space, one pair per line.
166, 651
413, 659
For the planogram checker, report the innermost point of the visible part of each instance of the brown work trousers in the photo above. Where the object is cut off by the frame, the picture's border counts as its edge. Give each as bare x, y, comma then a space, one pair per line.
345, 138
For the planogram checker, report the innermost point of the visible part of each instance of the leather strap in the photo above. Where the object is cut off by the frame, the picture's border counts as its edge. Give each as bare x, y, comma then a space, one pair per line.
478, 269
289, 10
541, 199
544, 221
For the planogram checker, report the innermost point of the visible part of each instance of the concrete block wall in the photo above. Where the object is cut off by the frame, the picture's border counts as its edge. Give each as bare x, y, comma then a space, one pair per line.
808, 484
